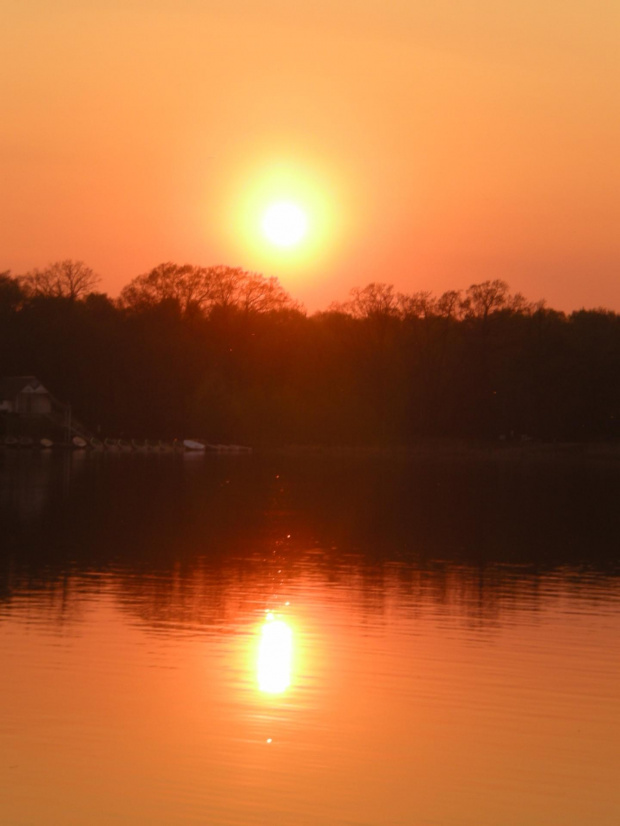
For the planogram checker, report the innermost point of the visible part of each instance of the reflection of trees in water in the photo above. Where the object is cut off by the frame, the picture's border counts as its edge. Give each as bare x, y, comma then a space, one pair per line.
229, 595
210, 545
31, 480
53, 600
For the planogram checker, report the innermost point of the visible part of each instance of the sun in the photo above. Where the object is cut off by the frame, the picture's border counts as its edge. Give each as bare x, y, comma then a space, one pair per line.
285, 224
284, 217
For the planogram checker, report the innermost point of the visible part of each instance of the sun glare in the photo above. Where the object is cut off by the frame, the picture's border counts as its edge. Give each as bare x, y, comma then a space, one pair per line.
285, 224
275, 656
284, 218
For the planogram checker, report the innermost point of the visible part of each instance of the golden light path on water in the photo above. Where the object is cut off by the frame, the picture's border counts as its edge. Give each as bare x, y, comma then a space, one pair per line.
275, 656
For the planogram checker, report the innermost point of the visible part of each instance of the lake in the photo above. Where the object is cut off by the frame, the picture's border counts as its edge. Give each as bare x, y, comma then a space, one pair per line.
309, 640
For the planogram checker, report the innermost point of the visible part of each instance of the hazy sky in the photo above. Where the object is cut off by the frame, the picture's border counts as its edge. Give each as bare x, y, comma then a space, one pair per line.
432, 144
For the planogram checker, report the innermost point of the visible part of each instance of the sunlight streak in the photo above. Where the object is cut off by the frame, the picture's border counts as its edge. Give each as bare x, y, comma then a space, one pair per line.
275, 656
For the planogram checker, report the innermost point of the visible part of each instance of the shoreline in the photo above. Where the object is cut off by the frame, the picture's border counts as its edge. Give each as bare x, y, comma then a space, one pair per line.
454, 449
508, 451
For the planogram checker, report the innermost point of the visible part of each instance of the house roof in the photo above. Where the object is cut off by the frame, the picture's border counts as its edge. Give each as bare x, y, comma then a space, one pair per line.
12, 386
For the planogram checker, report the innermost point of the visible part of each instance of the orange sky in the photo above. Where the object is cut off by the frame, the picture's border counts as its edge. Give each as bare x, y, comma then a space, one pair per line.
440, 144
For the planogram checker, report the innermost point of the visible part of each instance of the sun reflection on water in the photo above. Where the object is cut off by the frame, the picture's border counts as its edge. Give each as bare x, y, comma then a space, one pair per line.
275, 654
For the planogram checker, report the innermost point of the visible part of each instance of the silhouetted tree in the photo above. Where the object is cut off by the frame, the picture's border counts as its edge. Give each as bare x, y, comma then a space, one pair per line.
186, 284
374, 299
226, 354
204, 288
63, 279
11, 293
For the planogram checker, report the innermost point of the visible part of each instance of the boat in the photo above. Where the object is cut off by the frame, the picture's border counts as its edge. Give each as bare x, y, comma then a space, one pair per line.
193, 444
79, 443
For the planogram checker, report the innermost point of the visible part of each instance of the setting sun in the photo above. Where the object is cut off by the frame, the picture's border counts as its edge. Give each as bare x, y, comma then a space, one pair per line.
285, 224
285, 217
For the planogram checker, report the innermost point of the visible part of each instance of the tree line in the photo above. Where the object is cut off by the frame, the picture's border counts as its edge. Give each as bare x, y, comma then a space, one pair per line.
228, 355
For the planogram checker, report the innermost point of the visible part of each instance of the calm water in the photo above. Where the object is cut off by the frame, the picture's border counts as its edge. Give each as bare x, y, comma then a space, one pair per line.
308, 641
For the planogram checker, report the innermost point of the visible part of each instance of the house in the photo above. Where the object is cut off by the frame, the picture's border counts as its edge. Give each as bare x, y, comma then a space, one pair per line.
27, 408
24, 396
